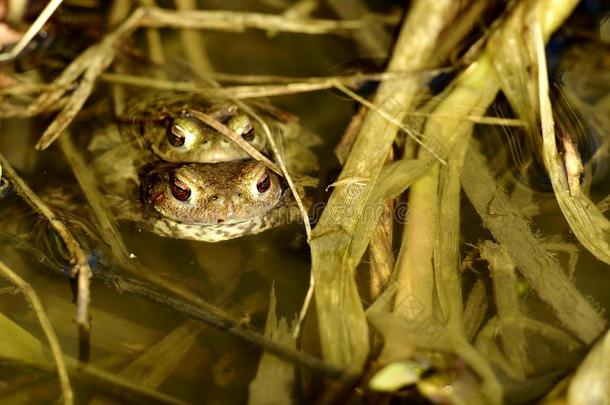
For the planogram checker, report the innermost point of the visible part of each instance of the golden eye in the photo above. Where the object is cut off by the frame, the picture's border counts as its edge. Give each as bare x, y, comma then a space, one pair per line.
175, 134
180, 190
264, 182
242, 125
248, 134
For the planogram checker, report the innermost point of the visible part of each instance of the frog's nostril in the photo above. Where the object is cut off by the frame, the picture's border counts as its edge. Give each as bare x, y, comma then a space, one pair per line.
221, 221
158, 198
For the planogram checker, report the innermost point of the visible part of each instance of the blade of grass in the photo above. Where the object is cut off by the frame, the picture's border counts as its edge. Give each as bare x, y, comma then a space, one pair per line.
422, 258
475, 309
342, 325
503, 276
513, 232
590, 383
590, 226
275, 378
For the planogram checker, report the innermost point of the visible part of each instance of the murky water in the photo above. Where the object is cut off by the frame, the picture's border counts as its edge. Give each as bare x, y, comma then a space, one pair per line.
216, 367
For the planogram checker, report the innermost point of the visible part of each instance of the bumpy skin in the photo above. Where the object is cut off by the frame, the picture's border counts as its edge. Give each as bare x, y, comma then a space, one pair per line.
174, 135
285, 212
159, 123
122, 160
213, 193
186, 139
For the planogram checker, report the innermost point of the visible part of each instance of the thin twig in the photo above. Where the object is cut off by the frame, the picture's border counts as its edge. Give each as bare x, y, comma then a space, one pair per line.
306, 303
87, 68
294, 86
282, 165
297, 198
106, 226
231, 326
214, 318
234, 21
302, 208
267, 84
40, 21
229, 133
351, 80
263, 86
345, 226
32, 297
108, 382
211, 121
78, 256
387, 117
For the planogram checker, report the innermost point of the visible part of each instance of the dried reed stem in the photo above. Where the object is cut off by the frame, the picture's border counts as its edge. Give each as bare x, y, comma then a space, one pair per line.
85, 70
78, 256
31, 296
36, 26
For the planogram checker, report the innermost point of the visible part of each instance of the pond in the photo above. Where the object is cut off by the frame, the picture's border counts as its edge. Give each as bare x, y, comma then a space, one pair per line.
495, 298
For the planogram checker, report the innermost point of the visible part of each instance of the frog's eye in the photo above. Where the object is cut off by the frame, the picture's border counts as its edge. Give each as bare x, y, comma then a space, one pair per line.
248, 133
242, 125
180, 190
175, 134
264, 182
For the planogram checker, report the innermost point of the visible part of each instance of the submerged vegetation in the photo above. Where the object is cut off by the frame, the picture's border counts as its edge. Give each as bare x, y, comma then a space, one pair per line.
456, 252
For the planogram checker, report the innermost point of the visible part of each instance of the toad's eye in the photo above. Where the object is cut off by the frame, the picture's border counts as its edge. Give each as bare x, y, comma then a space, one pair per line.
242, 125
180, 190
264, 182
175, 134
248, 133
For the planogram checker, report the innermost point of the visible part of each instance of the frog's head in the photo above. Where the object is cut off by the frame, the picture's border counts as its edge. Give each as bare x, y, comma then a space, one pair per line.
212, 193
185, 138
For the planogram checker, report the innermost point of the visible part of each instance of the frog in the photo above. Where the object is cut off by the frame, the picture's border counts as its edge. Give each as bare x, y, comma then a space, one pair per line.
209, 202
230, 192
184, 138
198, 198
168, 127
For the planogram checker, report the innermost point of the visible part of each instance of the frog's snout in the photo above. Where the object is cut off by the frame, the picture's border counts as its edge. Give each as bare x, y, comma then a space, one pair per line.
224, 208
